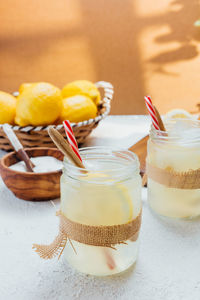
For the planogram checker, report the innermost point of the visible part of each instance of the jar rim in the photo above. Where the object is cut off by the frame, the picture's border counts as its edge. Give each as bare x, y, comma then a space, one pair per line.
162, 136
132, 162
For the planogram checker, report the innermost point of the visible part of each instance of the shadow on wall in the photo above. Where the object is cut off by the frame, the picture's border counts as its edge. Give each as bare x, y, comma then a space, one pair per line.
111, 31
102, 44
180, 18
114, 47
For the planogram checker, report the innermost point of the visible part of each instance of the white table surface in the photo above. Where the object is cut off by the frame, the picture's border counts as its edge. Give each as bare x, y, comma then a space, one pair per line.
168, 266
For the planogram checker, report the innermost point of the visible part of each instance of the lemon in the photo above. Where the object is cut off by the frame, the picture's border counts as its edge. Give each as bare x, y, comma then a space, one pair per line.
38, 104
7, 108
82, 87
24, 86
123, 207
178, 113
77, 108
127, 203
110, 206
99, 204
115, 205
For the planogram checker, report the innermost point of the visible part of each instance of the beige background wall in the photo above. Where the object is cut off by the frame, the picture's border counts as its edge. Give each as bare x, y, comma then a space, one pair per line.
141, 46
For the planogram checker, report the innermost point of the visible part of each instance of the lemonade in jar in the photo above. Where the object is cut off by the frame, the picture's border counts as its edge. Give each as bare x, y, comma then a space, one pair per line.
105, 197
173, 169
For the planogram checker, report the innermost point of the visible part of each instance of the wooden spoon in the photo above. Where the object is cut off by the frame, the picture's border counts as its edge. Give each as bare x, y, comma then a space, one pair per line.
21, 153
160, 122
66, 149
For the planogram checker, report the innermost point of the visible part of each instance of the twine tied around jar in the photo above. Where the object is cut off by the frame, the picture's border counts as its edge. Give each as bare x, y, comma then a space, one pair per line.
102, 236
173, 179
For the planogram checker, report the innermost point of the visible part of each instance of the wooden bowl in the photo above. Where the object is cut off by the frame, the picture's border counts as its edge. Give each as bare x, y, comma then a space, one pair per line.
32, 186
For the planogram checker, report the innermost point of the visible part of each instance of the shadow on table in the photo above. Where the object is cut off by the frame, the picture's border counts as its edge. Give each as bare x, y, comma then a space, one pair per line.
10, 205
181, 227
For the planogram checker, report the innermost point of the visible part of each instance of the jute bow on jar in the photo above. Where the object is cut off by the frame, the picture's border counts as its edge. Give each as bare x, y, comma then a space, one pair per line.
103, 236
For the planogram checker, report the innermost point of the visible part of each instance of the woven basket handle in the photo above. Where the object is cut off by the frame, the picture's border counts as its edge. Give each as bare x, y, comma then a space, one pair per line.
108, 90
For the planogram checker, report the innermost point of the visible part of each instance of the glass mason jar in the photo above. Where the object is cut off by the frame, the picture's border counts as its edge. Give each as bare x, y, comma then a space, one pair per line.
176, 151
108, 194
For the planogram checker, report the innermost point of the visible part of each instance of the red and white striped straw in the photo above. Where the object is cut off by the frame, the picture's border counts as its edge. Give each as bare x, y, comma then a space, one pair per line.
71, 138
72, 141
152, 112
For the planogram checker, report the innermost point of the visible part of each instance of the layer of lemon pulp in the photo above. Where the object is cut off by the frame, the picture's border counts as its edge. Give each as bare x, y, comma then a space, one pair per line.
178, 113
99, 204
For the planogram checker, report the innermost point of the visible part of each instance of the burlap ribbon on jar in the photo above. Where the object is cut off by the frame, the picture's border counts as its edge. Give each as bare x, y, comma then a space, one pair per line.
103, 236
173, 179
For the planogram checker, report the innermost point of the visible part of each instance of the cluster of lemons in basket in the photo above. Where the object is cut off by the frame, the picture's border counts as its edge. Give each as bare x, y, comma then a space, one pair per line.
42, 103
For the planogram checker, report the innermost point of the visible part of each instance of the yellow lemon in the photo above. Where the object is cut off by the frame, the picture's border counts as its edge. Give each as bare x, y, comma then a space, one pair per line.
121, 204
82, 87
77, 108
98, 204
7, 108
108, 206
38, 104
24, 86
178, 113
127, 202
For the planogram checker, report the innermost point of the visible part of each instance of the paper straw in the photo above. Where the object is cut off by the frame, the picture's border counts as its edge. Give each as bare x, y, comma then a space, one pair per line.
72, 141
152, 112
71, 138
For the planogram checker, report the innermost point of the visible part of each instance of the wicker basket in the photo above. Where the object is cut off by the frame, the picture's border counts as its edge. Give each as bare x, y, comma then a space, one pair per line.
31, 136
